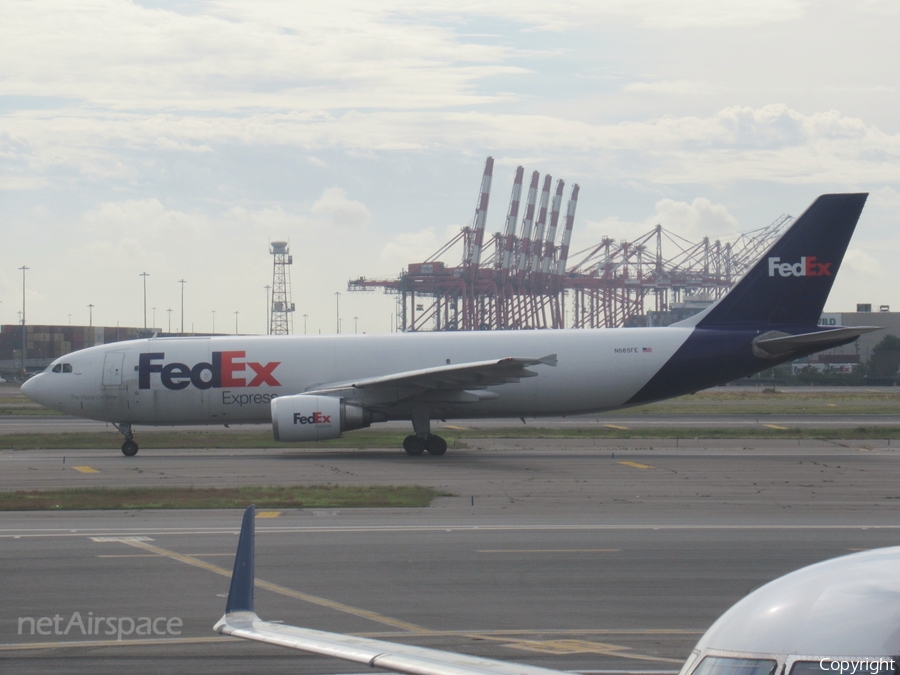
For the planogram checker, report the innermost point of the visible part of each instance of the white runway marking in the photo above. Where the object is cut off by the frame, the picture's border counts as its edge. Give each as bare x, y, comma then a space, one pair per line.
31, 534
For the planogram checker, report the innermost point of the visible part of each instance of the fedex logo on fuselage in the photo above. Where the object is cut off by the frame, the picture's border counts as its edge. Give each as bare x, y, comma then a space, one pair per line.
807, 267
225, 370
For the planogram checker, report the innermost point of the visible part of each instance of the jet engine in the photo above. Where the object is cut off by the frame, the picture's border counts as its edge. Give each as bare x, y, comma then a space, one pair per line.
307, 417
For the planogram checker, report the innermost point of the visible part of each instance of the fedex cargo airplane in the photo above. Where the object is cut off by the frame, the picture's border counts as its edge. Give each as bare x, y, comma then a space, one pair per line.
317, 387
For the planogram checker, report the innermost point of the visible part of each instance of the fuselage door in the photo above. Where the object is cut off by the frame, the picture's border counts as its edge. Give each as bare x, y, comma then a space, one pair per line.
112, 369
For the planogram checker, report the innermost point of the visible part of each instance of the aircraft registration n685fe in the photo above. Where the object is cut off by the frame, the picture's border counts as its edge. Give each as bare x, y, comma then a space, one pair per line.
313, 388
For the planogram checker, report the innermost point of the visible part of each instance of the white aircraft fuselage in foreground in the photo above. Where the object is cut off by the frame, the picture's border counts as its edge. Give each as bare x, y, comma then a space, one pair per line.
313, 388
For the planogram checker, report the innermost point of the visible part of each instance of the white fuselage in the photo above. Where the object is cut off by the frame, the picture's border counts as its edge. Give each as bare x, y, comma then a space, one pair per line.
597, 370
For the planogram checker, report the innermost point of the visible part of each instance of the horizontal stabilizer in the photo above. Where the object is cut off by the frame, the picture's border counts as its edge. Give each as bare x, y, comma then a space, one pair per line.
775, 344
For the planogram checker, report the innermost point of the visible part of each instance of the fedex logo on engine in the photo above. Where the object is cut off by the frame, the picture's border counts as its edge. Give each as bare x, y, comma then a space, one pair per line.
315, 418
225, 370
807, 267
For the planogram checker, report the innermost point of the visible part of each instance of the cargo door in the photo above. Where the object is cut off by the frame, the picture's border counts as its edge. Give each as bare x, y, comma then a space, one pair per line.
112, 369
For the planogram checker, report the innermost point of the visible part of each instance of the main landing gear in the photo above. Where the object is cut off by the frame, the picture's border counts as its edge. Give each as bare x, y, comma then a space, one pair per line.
423, 440
129, 447
415, 445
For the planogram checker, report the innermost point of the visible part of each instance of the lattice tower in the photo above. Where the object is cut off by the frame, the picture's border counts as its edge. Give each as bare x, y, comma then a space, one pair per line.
281, 315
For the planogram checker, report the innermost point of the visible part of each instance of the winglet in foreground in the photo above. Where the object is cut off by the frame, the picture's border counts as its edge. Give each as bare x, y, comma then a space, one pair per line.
241, 621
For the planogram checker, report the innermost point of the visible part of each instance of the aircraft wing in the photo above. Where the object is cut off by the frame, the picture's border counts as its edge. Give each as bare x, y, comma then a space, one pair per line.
240, 620
441, 382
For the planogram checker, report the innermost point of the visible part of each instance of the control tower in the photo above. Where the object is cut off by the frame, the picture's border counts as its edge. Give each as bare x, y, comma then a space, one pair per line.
281, 317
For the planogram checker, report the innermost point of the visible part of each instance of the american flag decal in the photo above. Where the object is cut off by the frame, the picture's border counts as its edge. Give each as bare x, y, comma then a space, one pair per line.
647, 349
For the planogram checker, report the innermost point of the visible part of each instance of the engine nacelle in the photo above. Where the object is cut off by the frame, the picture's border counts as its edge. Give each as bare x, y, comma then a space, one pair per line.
307, 417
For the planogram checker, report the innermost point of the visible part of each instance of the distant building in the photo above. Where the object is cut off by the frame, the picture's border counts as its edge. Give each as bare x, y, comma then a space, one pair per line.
45, 343
861, 350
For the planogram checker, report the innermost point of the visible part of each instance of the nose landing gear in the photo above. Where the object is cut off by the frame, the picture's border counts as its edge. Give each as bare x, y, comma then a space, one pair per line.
129, 447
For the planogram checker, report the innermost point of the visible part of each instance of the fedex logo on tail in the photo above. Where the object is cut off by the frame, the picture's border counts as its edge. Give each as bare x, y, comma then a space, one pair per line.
226, 369
807, 267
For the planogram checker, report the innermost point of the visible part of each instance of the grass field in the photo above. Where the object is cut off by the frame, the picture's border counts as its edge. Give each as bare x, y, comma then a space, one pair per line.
730, 400
316, 496
393, 439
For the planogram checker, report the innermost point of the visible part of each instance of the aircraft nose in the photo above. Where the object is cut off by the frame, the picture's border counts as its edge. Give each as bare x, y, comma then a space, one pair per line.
32, 389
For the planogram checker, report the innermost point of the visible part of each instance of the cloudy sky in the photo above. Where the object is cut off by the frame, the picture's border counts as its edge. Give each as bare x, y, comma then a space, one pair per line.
179, 137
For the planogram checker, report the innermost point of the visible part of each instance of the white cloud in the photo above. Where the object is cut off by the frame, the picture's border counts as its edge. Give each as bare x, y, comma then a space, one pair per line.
885, 198
14, 182
860, 264
338, 210
772, 143
700, 218
230, 55
164, 143
419, 245
656, 14
146, 219
182, 138
677, 87
697, 219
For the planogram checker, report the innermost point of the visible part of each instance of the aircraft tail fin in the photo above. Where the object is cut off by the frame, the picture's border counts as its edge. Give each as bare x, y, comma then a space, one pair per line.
791, 282
240, 595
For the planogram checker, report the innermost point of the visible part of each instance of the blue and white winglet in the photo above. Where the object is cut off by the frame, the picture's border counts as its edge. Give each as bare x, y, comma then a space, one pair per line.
241, 621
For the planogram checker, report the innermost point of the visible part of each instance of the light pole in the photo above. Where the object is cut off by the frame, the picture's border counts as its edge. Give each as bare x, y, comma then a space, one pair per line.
214, 321
236, 322
145, 275
304, 323
90, 316
268, 309
182, 282
170, 320
24, 340
355, 324
154, 317
337, 301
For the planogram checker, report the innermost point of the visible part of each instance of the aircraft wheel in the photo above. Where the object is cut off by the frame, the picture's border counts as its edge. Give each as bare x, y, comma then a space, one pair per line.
129, 448
413, 445
435, 445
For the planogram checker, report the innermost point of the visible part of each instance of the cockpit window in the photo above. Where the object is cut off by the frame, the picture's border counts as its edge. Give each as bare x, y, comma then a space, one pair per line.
873, 666
719, 665
62, 368
57, 368
67, 367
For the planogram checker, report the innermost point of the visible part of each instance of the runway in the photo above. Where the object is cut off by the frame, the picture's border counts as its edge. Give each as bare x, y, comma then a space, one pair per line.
582, 598
554, 555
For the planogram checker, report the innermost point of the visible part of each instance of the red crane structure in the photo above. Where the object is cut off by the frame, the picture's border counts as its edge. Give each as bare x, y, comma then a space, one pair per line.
521, 279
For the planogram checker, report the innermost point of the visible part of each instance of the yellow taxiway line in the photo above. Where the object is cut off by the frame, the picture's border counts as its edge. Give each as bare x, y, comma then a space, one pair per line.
636, 465
508, 640
275, 588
